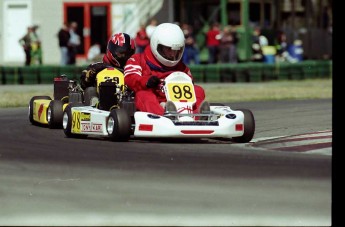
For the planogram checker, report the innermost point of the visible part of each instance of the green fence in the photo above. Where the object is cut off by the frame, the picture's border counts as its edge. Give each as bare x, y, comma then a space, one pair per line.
37, 74
242, 72
258, 72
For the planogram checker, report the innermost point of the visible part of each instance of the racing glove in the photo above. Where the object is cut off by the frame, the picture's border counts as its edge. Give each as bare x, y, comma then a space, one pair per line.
84, 80
153, 82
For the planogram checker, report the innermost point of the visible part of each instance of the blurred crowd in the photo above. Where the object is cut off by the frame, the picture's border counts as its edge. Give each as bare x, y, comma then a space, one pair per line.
221, 43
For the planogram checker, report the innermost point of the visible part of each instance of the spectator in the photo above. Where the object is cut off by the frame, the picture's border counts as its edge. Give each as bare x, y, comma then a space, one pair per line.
227, 46
141, 39
296, 51
258, 40
73, 43
282, 48
64, 36
36, 50
212, 43
288, 52
25, 41
151, 27
191, 52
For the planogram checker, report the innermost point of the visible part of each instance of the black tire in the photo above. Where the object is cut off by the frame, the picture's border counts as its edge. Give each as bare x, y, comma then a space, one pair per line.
31, 106
249, 127
89, 93
120, 130
216, 104
55, 114
67, 121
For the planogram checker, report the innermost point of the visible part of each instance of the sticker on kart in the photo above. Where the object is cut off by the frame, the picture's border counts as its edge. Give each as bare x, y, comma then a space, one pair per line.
91, 127
81, 122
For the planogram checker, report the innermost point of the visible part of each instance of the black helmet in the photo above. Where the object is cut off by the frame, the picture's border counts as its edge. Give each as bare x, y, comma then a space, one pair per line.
120, 47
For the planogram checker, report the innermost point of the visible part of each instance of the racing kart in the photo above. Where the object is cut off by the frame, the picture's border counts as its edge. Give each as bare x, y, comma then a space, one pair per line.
43, 110
122, 122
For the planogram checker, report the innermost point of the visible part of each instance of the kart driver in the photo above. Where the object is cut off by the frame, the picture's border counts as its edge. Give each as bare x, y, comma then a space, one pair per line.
120, 47
144, 71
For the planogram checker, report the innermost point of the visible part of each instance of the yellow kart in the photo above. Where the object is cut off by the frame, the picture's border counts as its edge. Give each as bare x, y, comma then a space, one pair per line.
43, 110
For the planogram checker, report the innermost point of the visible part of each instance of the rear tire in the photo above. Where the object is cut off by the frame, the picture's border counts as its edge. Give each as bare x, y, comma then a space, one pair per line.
31, 107
249, 127
55, 114
119, 125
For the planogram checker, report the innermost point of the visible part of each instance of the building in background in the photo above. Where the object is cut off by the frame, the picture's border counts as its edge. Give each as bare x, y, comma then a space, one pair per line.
96, 19
308, 20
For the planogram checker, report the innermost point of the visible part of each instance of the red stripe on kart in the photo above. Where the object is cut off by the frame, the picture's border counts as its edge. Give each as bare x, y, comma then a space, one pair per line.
197, 132
239, 127
144, 127
40, 111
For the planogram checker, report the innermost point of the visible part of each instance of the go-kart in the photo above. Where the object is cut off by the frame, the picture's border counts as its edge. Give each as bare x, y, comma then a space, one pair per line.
122, 122
43, 110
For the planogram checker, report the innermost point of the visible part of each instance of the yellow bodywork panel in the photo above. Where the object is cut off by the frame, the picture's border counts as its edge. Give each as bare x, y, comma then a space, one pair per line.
40, 107
110, 73
64, 106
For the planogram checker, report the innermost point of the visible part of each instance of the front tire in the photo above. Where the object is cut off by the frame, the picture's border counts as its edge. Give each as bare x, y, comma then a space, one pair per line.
55, 114
249, 127
67, 121
119, 125
31, 107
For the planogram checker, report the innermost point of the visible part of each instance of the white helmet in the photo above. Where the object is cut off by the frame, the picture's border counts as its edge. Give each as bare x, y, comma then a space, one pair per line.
167, 44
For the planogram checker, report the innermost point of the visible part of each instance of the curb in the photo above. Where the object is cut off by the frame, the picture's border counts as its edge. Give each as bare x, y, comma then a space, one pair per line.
316, 142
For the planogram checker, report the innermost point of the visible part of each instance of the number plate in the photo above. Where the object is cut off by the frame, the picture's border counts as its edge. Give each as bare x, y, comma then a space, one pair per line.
111, 73
76, 121
181, 92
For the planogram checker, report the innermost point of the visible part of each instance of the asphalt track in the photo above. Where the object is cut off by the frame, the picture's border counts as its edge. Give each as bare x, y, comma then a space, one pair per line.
47, 179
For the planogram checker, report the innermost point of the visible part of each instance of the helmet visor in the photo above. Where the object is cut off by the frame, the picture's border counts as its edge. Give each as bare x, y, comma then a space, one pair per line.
170, 53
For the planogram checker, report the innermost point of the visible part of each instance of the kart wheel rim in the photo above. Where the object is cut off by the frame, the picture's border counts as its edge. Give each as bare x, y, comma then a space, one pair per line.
49, 114
65, 120
110, 125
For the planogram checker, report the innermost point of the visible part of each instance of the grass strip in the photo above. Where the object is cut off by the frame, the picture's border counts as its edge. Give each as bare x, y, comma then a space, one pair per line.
20, 95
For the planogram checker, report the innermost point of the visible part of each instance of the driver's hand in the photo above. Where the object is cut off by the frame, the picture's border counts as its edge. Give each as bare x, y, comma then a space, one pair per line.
90, 75
153, 82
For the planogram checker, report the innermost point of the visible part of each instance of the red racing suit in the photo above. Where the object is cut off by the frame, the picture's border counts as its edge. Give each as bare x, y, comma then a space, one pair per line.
139, 68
